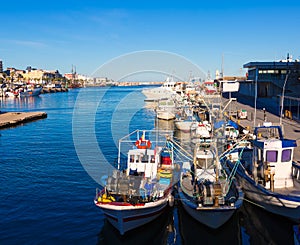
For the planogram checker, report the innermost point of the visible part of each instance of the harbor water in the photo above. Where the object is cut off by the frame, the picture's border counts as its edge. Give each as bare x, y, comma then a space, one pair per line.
47, 190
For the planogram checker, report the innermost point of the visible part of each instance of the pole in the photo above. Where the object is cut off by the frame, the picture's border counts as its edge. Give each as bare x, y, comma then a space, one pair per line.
255, 96
282, 98
119, 155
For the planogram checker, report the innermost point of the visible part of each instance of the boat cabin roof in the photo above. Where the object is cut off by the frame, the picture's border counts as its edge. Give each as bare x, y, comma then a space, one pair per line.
148, 152
268, 137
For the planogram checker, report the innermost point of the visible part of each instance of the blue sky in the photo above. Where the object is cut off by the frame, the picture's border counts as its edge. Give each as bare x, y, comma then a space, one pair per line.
57, 34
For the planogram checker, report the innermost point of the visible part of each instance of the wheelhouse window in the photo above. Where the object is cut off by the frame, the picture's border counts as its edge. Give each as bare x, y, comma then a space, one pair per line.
131, 158
271, 156
286, 155
205, 163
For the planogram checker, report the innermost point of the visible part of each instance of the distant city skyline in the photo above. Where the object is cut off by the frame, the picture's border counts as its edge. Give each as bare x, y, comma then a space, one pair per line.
86, 34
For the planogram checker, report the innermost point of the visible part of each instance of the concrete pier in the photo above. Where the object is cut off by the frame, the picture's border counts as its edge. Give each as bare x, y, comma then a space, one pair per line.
291, 128
53, 90
11, 119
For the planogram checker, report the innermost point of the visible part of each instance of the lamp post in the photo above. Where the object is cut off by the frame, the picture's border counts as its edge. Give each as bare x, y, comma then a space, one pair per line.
255, 96
282, 98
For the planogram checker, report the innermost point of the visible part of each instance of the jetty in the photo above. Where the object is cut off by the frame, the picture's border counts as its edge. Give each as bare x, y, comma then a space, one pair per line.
53, 90
12, 119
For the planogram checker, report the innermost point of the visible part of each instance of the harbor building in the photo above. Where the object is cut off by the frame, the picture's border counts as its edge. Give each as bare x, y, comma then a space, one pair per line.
272, 81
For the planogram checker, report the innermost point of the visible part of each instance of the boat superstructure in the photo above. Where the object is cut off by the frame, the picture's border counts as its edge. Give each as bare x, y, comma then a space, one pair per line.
138, 193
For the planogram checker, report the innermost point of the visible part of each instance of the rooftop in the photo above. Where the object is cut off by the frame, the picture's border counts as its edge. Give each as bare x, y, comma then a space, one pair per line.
273, 64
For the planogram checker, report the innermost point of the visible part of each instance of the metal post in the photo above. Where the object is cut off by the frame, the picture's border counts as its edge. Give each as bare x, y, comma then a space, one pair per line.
282, 99
119, 155
255, 96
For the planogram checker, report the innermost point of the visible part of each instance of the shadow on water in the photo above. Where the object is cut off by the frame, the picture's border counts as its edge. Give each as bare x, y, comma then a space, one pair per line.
249, 225
261, 227
193, 232
159, 231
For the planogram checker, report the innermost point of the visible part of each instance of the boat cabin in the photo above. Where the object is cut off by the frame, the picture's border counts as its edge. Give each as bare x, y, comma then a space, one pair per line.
273, 156
205, 165
142, 162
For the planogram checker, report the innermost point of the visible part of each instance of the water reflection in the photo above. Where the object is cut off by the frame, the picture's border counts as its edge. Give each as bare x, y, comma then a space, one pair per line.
193, 232
26, 103
159, 231
262, 227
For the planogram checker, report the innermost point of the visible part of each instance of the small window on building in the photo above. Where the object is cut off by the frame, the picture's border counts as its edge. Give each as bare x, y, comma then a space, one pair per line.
283, 71
271, 156
286, 155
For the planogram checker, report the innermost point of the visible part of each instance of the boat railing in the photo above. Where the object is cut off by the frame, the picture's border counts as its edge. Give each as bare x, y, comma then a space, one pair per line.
158, 138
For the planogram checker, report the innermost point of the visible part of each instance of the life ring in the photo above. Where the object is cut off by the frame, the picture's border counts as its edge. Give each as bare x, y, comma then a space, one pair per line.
143, 144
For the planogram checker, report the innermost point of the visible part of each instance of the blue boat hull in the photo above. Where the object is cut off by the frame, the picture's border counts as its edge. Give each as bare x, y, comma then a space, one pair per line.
34, 92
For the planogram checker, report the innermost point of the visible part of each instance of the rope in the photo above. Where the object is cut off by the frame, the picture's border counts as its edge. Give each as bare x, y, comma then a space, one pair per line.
180, 147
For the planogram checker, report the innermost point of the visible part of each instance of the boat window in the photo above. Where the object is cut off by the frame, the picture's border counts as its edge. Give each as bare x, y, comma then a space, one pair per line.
200, 163
205, 163
210, 163
131, 158
144, 158
152, 158
271, 156
286, 155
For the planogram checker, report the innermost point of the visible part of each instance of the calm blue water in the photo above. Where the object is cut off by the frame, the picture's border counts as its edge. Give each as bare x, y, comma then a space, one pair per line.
46, 195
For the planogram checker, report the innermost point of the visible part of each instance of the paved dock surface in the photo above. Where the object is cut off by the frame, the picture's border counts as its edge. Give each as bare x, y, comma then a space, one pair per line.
291, 128
11, 119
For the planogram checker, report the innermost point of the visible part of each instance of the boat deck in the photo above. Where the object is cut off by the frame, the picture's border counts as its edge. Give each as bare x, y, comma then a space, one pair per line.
294, 191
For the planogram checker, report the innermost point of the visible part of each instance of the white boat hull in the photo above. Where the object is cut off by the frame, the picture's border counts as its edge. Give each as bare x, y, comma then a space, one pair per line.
158, 93
185, 126
125, 218
165, 115
213, 217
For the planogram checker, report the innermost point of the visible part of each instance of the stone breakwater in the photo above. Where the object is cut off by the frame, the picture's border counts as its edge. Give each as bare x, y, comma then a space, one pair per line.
11, 119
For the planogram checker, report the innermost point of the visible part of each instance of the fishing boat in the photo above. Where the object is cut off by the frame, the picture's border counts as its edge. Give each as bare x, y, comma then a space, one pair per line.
185, 121
166, 90
166, 109
202, 133
139, 193
206, 192
267, 173
30, 92
209, 86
